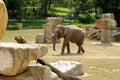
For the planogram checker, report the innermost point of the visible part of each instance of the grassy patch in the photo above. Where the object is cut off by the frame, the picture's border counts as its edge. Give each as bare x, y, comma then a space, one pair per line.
29, 35
28, 23
60, 11
40, 23
101, 69
75, 22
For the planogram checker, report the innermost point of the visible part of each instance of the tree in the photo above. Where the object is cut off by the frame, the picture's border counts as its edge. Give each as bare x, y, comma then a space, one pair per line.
110, 6
15, 8
82, 7
31, 8
45, 6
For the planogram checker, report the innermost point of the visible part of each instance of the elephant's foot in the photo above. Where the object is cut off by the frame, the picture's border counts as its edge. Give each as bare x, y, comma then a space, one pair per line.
83, 51
62, 53
79, 53
68, 52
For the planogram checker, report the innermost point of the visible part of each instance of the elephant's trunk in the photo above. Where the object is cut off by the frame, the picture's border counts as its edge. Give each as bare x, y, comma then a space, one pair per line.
54, 46
54, 41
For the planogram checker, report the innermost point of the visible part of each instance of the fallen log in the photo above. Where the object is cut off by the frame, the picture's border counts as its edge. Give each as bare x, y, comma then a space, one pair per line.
20, 39
59, 73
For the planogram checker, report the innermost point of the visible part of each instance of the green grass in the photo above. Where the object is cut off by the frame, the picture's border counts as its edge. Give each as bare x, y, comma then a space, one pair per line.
28, 23
60, 11
75, 22
29, 34
40, 23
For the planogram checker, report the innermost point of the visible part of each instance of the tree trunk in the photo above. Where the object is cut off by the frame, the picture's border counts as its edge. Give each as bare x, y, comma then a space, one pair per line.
44, 7
20, 39
49, 3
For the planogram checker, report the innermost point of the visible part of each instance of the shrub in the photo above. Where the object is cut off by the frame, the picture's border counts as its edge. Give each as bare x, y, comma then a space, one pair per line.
98, 16
86, 18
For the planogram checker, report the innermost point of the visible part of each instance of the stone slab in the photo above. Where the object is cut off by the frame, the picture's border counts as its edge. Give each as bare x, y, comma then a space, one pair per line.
33, 72
71, 68
15, 58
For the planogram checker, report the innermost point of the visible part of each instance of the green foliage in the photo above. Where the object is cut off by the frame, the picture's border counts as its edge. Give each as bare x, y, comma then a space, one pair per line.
86, 18
15, 8
62, 3
110, 6
60, 11
32, 9
98, 16
82, 7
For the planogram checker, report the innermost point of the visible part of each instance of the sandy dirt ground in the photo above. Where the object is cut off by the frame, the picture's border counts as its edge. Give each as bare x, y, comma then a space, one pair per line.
93, 49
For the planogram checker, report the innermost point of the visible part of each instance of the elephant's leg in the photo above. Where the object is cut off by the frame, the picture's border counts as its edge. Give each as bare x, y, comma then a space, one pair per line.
68, 48
63, 48
78, 50
79, 47
82, 49
64, 45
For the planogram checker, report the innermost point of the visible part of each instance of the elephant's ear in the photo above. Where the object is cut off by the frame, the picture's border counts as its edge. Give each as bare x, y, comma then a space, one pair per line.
65, 31
61, 29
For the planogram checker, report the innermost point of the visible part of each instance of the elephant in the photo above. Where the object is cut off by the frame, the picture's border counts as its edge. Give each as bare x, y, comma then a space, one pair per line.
70, 33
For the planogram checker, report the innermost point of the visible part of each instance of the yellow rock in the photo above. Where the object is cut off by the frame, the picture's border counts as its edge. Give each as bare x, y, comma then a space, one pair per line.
3, 18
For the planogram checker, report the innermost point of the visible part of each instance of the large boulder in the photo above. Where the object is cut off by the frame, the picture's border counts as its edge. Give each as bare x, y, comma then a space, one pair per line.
71, 68
33, 72
39, 38
3, 18
19, 26
15, 58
